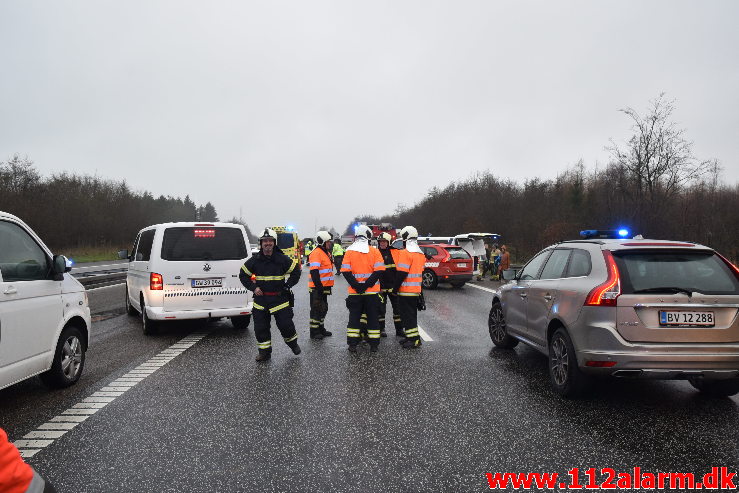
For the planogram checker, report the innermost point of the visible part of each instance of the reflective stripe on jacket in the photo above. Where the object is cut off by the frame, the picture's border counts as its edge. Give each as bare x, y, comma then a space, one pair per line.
362, 265
413, 264
319, 260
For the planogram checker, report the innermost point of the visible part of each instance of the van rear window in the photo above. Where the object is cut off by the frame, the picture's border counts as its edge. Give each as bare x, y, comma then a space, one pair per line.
666, 271
457, 253
186, 243
285, 241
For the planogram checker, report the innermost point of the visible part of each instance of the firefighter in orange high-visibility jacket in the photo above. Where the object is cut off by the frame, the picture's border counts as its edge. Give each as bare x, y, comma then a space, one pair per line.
15, 475
321, 268
361, 267
409, 264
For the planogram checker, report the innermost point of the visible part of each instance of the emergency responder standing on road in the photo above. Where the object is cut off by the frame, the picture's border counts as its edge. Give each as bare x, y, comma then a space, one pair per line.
272, 295
410, 264
338, 253
362, 267
387, 283
320, 283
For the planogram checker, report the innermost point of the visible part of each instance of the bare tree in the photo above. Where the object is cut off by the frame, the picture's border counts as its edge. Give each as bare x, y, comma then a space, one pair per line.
658, 158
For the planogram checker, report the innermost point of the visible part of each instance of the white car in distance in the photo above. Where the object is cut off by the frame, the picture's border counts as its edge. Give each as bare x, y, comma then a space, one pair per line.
185, 271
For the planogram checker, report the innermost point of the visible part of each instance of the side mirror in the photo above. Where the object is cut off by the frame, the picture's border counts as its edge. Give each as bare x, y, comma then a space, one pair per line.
510, 274
59, 267
123, 255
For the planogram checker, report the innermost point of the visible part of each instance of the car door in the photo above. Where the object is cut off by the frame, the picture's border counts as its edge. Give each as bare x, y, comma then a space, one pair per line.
31, 308
542, 295
515, 297
131, 279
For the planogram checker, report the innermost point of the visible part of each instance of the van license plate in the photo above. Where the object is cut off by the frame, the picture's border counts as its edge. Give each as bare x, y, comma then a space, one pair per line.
686, 319
207, 283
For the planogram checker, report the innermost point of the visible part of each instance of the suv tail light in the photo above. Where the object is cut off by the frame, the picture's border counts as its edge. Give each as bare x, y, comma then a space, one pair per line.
731, 266
156, 282
606, 294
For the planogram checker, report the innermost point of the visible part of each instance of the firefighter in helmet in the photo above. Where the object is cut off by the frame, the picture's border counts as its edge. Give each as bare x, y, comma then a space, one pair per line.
320, 283
270, 274
362, 267
410, 264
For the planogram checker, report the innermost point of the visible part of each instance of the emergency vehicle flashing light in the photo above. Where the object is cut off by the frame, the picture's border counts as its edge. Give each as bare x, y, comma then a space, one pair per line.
622, 233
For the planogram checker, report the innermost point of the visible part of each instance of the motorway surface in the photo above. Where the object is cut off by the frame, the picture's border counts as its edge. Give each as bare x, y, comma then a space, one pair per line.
202, 415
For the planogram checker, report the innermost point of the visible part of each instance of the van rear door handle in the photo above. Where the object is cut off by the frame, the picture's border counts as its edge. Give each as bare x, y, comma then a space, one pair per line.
548, 297
10, 290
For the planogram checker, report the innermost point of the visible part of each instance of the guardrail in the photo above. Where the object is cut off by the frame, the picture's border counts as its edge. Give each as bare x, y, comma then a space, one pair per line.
98, 276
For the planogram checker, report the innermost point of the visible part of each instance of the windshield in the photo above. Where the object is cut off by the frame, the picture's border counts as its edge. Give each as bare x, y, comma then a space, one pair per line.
285, 241
691, 271
188, 243
457, 254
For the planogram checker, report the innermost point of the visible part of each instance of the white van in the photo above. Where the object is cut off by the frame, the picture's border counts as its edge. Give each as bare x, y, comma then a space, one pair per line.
44, 314
181, 271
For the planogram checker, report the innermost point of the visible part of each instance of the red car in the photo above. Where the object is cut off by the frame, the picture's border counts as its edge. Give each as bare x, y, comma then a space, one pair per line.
446, 264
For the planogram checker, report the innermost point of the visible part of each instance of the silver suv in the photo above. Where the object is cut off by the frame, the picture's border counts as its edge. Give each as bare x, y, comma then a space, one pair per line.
604, 306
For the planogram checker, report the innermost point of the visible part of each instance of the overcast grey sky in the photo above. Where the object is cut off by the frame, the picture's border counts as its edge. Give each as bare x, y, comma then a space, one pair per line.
311, 112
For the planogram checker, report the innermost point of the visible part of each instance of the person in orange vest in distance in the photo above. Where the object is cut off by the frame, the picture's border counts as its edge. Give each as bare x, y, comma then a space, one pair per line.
410, 264
362, 267
15, 475
320, 283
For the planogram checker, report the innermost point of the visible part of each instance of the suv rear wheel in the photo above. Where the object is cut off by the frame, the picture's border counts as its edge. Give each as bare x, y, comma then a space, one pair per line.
716, 388
69, 359
429, 279
497, 328
566, 377
241, 322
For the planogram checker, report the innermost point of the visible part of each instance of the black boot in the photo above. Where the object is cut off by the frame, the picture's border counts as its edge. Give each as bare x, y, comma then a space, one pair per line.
374, 348
327, 333
294, 346
399, 333
383, 333
264, 355
352, 348
412, 343
318, 336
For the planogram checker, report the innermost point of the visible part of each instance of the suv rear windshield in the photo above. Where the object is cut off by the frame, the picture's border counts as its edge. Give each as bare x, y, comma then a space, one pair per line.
185, 243
285, 240
649, 271
457, 253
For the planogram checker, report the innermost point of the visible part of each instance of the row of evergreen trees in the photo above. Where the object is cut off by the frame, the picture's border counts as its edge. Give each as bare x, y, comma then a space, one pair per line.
82, 211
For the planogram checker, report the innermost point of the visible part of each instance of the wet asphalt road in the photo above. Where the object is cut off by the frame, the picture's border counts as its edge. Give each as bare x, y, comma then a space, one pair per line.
435, 419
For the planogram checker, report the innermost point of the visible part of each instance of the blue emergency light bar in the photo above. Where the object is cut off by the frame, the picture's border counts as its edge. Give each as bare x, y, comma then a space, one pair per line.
622, 233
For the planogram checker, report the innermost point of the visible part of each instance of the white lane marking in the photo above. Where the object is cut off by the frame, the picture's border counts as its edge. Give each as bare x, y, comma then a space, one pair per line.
480, 287
33, 442
424, 335
122, 283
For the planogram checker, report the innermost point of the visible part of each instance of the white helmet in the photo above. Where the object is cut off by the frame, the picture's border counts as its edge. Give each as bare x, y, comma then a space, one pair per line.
322, 237
385, 236
363, 231
268, 233
409, 233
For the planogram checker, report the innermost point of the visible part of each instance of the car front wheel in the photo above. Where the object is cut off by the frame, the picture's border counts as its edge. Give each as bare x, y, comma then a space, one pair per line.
497, 328
69, 359
564, 374
130, 310
148, 325
429, 279
716, 388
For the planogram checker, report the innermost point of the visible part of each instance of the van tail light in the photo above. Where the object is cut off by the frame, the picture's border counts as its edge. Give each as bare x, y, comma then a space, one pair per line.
156, 282
606, 294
